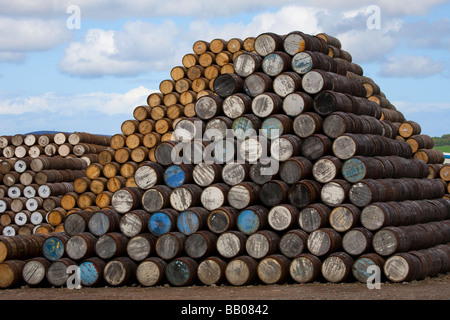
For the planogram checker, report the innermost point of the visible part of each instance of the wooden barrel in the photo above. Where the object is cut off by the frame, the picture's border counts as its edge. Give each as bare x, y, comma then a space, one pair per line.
211, 270
262, 243
418, 142
313, 217
297, 41
235, 173
358, 168
357, 241
283, 217
192, 220
205, 174
304, 192
227, 84
181, 271
430, 156
390, 240
214, 196
257, 83
177, 175
273, 193
276, 63
170, 245
119, 271
91, 271
409, 128
276, 125
402, 267
247, 63
208, 106
34, 270
81, 246
327, 102
185, 196
77, 222
156, 198
316, 146
363, 262
285, 147
231, 243
222, 219
296, 103
266, 104
151, 271
149, 174
252, 219
364, 192
305, 268
126, 199
263, 172
134, 222
57, 274
293, 243
54, 247
241, 271
337, 267
141, 246
295, 169
111, 245
11, 273
326, 169
273, 269
344, 217
201, 244
324, 241
104, 221
163, 221
243, 194
335, 192
267, 43
307, 124
236, 105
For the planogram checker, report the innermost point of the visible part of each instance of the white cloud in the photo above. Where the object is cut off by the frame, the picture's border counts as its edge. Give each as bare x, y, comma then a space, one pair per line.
402, 66
102, 102
138, 48
21, 35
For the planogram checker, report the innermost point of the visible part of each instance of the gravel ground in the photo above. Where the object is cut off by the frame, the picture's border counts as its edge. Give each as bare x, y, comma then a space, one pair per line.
437, 288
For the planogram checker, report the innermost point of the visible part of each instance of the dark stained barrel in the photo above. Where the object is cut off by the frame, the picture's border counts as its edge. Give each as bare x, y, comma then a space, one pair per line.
111, 245
293, 243
222, 219
156, 198
313, 217
182, 271
273, 193
316, 146
170, 245
257, 83
295, 169
77, 222
304, 192
201, 244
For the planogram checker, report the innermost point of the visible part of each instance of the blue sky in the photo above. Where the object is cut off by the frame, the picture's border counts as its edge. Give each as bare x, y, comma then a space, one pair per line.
91, 78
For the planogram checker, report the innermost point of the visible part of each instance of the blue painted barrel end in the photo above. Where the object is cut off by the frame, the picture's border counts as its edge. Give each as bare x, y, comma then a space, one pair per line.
53, 249
188, 223
353, 170
248, 222
174, 176
89, 275
159, 224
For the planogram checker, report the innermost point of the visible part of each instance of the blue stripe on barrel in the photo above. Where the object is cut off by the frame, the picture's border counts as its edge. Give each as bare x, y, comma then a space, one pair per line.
160, 223
248, 222
360, 267
174, 176
353, 170
53, 248
89, 274
188, 222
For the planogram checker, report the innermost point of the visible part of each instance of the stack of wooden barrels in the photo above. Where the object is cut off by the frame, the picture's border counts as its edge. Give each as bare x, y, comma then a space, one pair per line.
336, 181
38, 171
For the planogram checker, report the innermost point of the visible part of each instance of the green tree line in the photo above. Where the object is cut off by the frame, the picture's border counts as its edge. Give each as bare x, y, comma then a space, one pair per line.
442, 141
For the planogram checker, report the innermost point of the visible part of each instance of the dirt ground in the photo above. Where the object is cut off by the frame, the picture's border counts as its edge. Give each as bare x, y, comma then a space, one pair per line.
437, 288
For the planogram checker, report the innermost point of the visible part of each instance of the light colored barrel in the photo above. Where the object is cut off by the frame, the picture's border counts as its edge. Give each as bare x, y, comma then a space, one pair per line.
151, 271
